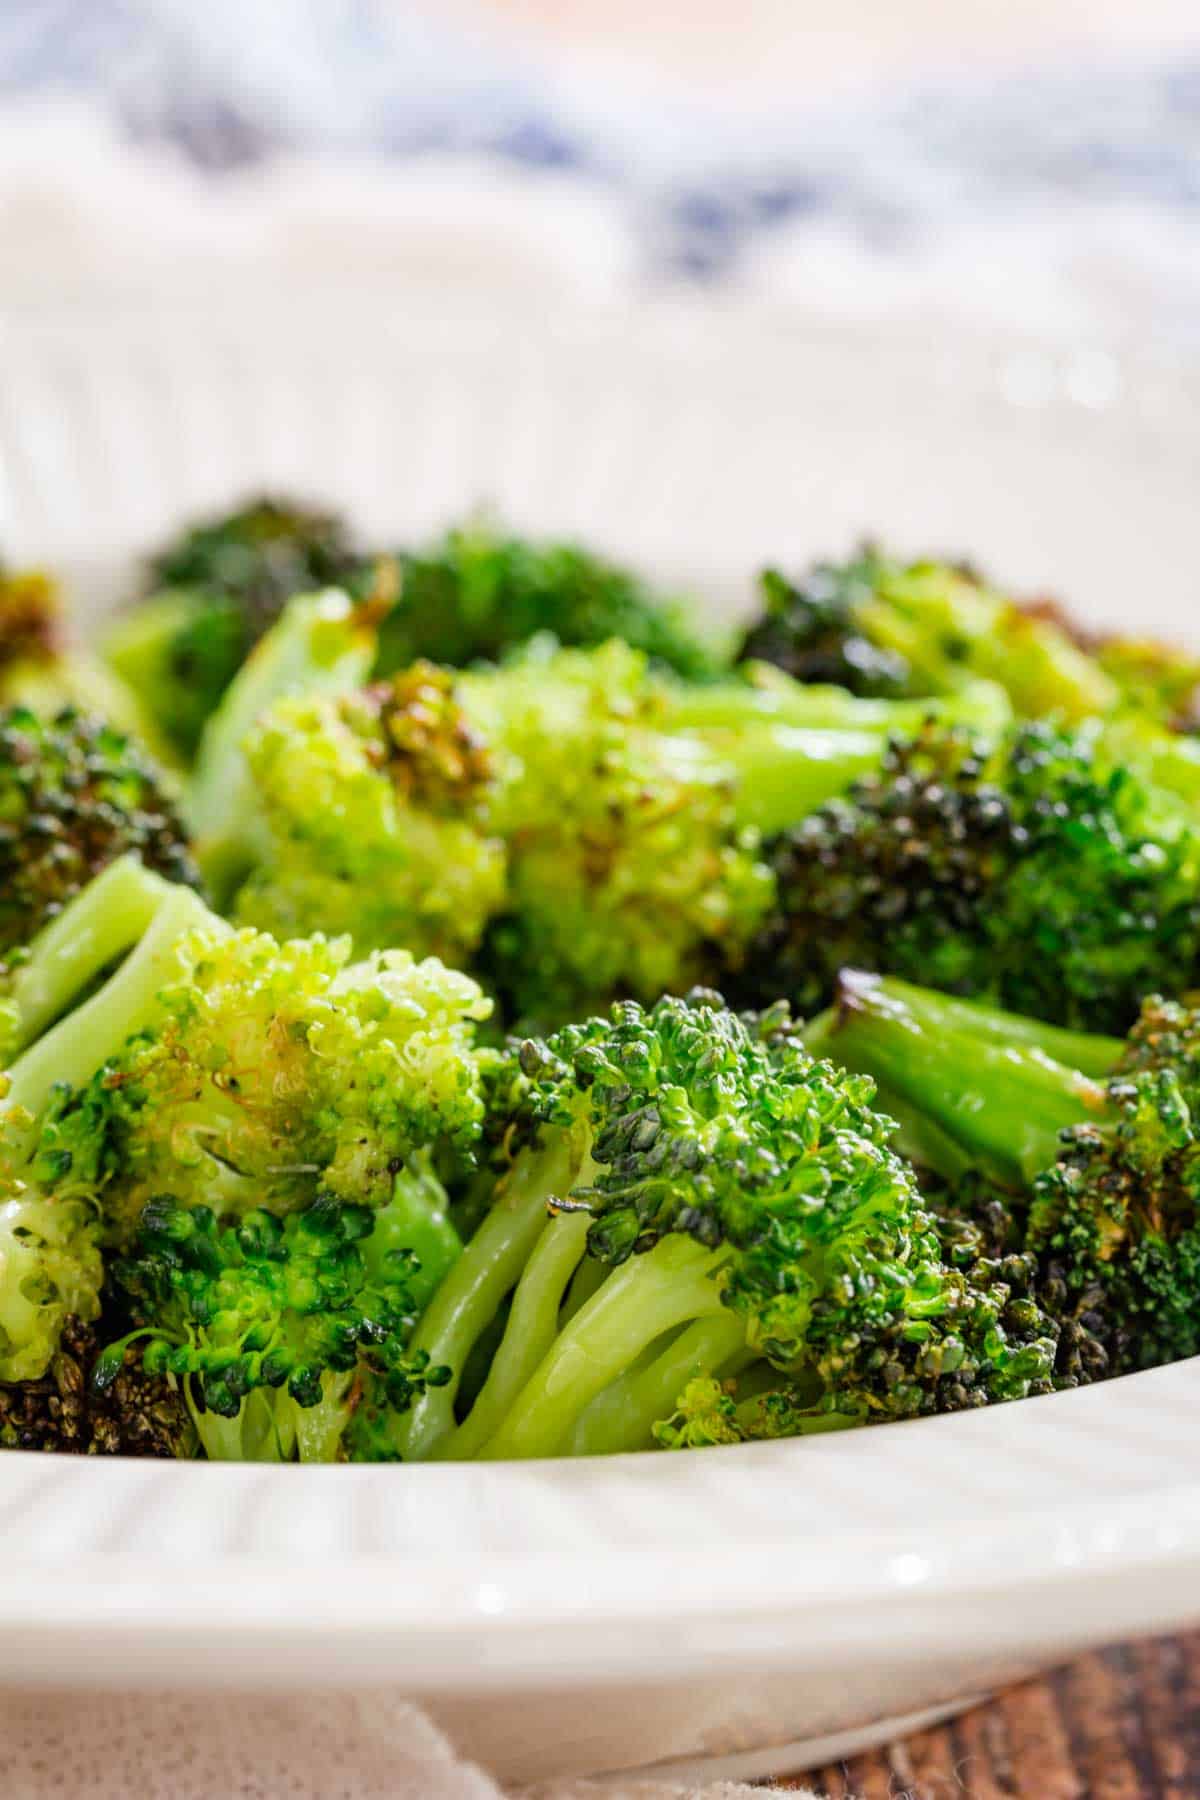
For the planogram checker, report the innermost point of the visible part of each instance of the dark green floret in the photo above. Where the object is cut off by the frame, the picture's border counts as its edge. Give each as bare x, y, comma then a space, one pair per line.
1033, 872
211, 596
481, 592
75, 795
272, 1328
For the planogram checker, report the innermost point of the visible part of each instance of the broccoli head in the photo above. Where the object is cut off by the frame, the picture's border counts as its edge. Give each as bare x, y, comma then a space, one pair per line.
273, 1329
686, 1196
880, 626
373, 819
212, 595
1027, 871
1095, 1142
480, 593
76, 794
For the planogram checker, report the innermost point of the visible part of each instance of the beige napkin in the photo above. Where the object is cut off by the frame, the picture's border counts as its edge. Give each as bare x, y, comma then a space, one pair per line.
63, 1746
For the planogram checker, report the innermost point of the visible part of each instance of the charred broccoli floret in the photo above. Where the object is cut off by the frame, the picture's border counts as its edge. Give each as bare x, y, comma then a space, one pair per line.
684, 1196
879, 626
135, 1414
1031, 872
76, 794
479, 593
1094, 1140
271, 1328
211, 596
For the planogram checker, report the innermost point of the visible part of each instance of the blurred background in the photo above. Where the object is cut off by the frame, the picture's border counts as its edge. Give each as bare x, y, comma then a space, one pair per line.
1031, 164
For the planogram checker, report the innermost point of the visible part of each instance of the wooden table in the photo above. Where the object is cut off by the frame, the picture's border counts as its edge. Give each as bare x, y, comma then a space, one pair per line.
1120, 1725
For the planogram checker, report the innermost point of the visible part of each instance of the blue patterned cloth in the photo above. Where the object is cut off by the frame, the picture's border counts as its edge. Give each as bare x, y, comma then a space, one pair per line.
228, 81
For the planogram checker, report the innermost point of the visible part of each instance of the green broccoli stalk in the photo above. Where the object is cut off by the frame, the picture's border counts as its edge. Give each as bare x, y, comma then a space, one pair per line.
692, 1197
479, 593
1095, 1140
76, 794
212, 595
881, 627
1028, 871
271, 1328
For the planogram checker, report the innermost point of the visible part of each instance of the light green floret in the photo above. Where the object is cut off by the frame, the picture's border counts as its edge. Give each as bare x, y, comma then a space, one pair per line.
374, 820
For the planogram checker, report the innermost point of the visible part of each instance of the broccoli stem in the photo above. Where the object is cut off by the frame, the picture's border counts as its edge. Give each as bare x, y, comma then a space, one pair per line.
91, 931
773, 698
489, 1267
784, 772
323, 644
624, 1415
974, 1074
128, 1002
650, 1294
532, 1326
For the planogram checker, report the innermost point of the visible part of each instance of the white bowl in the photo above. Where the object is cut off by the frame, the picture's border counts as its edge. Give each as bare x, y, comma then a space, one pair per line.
748, 1609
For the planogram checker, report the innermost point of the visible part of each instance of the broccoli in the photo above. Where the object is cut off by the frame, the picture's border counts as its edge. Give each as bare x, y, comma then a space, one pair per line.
134, 1414
584, 825
1094, 1141
274, 1330
686, 1196
1030, 871
211, 596
632, 807
226, 1070
41, 670
76, 794
479, 593
881, 627
373, 818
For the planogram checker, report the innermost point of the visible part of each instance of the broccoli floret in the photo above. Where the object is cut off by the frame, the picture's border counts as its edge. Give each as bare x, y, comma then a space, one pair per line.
1094, 1140
75, 795
211, 596
42, 670
373, 811
479, 593
272, 1328
267, 1073
686, 1195
1030, 872
225, 1069
135, 1415
879, 626
593, 824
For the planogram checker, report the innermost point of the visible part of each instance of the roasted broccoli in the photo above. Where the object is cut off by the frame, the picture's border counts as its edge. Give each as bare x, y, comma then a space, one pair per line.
131, 1414
274, 1330
882, 627
585, 825
1093, 1140
42, 670
479, 593
688, 1196
1031, 871
211, 596
225, 1070
76, 794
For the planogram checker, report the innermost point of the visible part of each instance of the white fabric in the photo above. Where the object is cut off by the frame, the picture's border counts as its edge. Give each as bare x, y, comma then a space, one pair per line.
218, 1747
